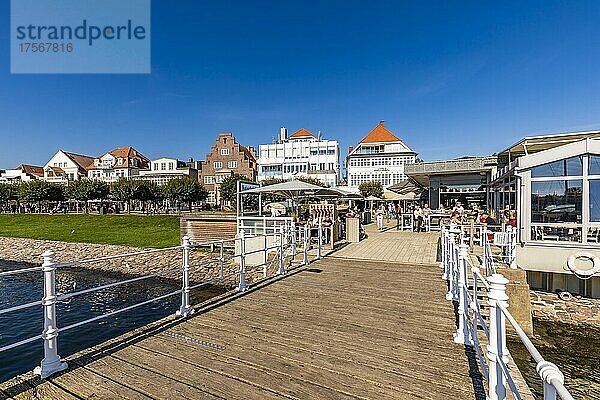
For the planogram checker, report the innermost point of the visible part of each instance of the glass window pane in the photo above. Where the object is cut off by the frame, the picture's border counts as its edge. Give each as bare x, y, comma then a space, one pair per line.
594, 200
556, 234
556, 201
594, 167
567, 167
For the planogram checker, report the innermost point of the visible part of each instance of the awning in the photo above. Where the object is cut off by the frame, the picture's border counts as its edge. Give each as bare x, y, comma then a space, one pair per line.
295, 189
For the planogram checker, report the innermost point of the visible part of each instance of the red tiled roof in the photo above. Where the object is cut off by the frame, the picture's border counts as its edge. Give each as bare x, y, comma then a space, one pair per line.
57, 170
380, 134
79, 159
31, 170
126, 153
301, 133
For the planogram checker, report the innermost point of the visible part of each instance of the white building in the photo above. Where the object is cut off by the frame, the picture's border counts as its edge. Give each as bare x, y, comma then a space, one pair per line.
64, 167
380, 156
23, 173
300, 154
164, 169
122, 162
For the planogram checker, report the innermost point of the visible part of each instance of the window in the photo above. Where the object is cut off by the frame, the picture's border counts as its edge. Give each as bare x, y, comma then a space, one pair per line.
224, 152
232, 164
163, 166
594, 199
568, 167
170, 166
209, 180
594, 165
556, 201
218, 165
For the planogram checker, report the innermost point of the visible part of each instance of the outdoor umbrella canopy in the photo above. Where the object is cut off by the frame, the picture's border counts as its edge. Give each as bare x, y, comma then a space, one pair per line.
295, 189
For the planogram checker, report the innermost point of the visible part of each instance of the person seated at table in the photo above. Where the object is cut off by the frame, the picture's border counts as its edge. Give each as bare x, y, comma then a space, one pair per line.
487, 219
458, 208
456, 218
398, 216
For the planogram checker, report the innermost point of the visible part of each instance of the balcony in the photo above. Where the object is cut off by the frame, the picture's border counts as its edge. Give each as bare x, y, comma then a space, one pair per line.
450, 166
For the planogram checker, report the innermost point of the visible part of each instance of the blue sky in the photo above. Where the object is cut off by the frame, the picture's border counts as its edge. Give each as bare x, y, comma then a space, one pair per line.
450, 78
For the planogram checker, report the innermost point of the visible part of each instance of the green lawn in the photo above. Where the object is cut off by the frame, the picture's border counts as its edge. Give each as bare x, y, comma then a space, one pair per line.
126, 230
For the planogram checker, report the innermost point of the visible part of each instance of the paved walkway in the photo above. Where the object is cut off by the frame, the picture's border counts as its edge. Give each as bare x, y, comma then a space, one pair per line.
414, 248
340, 328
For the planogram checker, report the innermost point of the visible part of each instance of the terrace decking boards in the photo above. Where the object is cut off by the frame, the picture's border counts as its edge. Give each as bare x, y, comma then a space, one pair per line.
367, 322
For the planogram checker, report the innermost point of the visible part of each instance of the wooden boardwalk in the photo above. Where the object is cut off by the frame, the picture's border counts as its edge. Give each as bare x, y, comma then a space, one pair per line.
339, 328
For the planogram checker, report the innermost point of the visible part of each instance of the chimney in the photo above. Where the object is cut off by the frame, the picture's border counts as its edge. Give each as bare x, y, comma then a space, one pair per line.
382, 123
282, 134
350, 149
319, 135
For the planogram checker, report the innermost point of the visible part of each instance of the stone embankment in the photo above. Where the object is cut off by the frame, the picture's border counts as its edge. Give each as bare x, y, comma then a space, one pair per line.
30, 251
565, 308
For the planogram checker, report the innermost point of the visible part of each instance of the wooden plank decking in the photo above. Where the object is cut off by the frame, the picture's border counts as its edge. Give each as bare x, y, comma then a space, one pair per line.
340, 328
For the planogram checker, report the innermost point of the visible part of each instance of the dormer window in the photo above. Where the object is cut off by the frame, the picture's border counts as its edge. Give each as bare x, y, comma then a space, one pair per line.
120, 161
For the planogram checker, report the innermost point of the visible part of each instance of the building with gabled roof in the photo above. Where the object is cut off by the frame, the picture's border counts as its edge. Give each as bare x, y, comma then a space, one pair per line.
122, 162
226, 157
380, 156
23, 173
65, 166
300, 154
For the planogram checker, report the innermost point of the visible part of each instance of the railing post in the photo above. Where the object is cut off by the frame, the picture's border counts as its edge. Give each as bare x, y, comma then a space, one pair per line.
462, 334
496, 349
305, 260
242, 287
442, 247
549, 372
294, 242
450, 266
281, 255
320, 239
266, 254
444, 263
512, 250
222, 259
484, 244
51, 362
184, 310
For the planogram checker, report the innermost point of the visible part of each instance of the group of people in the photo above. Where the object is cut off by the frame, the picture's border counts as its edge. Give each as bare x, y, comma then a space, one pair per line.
421, 216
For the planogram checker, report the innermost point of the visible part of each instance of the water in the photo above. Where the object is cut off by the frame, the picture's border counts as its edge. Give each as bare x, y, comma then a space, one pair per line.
576, 351
24, 288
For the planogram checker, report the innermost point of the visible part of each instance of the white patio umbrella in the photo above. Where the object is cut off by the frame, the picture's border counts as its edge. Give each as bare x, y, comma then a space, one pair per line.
295, 190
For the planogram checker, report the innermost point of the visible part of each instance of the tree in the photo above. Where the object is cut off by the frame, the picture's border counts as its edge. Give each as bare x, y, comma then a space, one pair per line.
123, 190
371, 188
85, 190
7, 192
228, 189
185, 190
38, 191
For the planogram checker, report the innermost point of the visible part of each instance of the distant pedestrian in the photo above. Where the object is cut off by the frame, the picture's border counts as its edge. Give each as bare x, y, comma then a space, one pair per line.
379, 216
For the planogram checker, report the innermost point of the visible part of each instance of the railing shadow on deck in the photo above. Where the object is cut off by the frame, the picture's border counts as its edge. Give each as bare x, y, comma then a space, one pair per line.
155, 328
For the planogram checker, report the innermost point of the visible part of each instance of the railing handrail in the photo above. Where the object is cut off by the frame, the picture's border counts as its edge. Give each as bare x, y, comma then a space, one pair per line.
284, 238
455, 262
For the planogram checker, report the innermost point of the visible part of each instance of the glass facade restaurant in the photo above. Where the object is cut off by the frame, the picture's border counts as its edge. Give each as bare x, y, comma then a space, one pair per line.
564, 201
558, 215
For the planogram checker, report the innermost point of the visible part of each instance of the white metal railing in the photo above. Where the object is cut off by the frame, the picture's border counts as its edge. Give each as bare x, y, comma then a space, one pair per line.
284, 245
464, 288
263, 224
